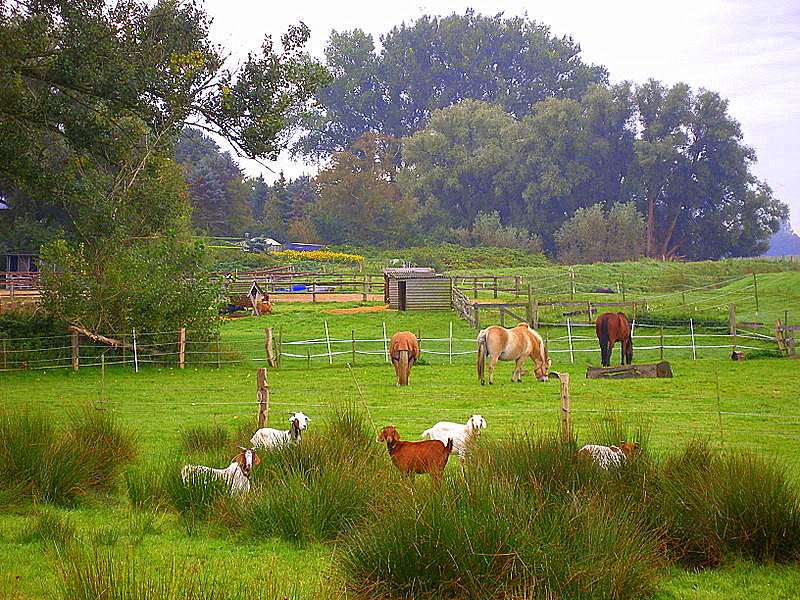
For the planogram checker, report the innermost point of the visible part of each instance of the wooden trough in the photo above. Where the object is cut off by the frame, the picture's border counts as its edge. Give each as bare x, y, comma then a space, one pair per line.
660, 369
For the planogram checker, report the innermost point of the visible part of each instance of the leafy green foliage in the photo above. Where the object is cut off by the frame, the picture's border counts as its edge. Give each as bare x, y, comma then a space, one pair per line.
592, 235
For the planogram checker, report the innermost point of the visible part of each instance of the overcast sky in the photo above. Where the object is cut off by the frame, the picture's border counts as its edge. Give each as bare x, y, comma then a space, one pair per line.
747, 50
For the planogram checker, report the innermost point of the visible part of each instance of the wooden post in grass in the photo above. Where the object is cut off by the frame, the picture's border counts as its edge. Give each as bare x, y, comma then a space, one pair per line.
269, 347
263, 396
74, 356
691, 330
661, 351
364, 289
732, 319
477, 316
536, 314
566, 422
495, 287
182, 348
517, 285
529, 306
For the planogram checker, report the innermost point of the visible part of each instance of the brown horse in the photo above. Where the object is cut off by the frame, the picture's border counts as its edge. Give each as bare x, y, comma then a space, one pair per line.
404, 350
610, 328
515, 344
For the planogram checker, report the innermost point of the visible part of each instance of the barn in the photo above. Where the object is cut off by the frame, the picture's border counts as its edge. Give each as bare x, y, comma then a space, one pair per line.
417, 288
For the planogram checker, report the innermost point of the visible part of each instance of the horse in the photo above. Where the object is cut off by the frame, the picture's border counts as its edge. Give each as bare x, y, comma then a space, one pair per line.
515, 344
404, 350
612, 327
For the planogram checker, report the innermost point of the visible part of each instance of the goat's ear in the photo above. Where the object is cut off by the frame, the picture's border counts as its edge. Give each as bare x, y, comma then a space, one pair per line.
256, 458
292, 413
242, 449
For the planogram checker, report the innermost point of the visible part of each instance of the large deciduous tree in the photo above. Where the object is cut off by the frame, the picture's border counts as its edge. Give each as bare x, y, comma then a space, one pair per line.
693, 177
92, 97
436, 62
359, 201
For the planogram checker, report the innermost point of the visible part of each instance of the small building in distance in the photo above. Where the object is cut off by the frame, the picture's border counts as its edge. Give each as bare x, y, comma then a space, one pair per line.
416, 288
19, 263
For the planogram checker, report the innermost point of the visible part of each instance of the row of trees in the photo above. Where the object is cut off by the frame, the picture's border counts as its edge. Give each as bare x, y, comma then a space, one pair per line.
464, 117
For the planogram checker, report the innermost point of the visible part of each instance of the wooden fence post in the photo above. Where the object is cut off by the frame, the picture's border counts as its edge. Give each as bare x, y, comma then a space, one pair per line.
495, 287
182, 348
385, 346
364, 289
661, 353
502, 318
529, 307
263, 397
732, 319
477, 316
691, 330
566, 417
74, 344
517, 285
268, 346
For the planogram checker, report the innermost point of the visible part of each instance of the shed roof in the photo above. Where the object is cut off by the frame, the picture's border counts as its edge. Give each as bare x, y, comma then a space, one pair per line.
410, 272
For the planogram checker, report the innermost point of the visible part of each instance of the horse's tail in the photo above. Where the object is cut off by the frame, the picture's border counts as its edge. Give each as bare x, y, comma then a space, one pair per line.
482, 352
602, 331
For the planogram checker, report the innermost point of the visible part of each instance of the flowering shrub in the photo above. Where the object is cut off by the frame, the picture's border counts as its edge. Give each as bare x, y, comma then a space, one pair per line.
321, 255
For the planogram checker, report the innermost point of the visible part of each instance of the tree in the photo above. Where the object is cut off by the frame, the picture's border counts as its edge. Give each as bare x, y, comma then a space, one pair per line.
693, 178
592, 235
92, 97
219, 197
436, 62
488, 230
359, 199
566, 155
456, 159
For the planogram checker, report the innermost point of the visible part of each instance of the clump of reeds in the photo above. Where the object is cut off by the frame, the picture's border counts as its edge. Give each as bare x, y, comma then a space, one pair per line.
62, 465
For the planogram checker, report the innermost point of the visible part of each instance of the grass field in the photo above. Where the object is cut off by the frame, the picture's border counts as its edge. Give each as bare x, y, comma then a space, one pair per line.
746, 406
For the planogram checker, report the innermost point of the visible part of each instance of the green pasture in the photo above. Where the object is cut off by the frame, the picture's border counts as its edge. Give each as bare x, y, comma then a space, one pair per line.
738, 406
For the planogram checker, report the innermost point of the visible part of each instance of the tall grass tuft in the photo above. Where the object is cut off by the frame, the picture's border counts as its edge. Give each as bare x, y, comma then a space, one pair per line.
52, 526
315, 490
205, 437
92, 574
491, 538
62, 466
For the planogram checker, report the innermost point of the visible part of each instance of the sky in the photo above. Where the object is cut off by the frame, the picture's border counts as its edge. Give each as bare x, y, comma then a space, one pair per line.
746, 50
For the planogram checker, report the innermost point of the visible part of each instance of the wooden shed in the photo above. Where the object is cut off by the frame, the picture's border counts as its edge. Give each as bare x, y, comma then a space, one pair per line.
419, 288
251, 289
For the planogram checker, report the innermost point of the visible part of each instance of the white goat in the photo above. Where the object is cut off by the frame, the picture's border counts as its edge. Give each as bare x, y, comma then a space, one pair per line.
461, 434
236, 475
609, 456
267, 437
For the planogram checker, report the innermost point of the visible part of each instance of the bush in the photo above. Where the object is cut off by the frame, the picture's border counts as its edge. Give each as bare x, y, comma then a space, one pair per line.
62, 467
487, 538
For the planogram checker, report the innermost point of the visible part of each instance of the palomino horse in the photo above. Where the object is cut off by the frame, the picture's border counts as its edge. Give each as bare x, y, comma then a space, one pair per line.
512, 344
610, 328
404, 350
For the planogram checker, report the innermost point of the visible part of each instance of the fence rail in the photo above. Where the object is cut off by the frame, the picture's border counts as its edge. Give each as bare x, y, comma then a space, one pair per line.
196, 348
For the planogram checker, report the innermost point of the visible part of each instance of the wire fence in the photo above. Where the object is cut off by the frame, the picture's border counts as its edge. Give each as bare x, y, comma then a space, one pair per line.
573, 342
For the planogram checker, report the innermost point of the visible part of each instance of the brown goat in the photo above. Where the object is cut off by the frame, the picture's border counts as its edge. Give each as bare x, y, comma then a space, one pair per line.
429, 456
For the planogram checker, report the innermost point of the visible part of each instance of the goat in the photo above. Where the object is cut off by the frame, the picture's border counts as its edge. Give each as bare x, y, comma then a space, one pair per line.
461, 434
429, 456
236, 475
267, 437
609, 456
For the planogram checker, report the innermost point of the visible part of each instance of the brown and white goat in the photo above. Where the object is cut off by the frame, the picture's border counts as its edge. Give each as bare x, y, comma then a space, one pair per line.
236, 475
429, 456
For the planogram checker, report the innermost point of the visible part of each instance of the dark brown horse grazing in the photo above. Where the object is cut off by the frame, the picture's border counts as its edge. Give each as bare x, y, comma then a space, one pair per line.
610, 328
